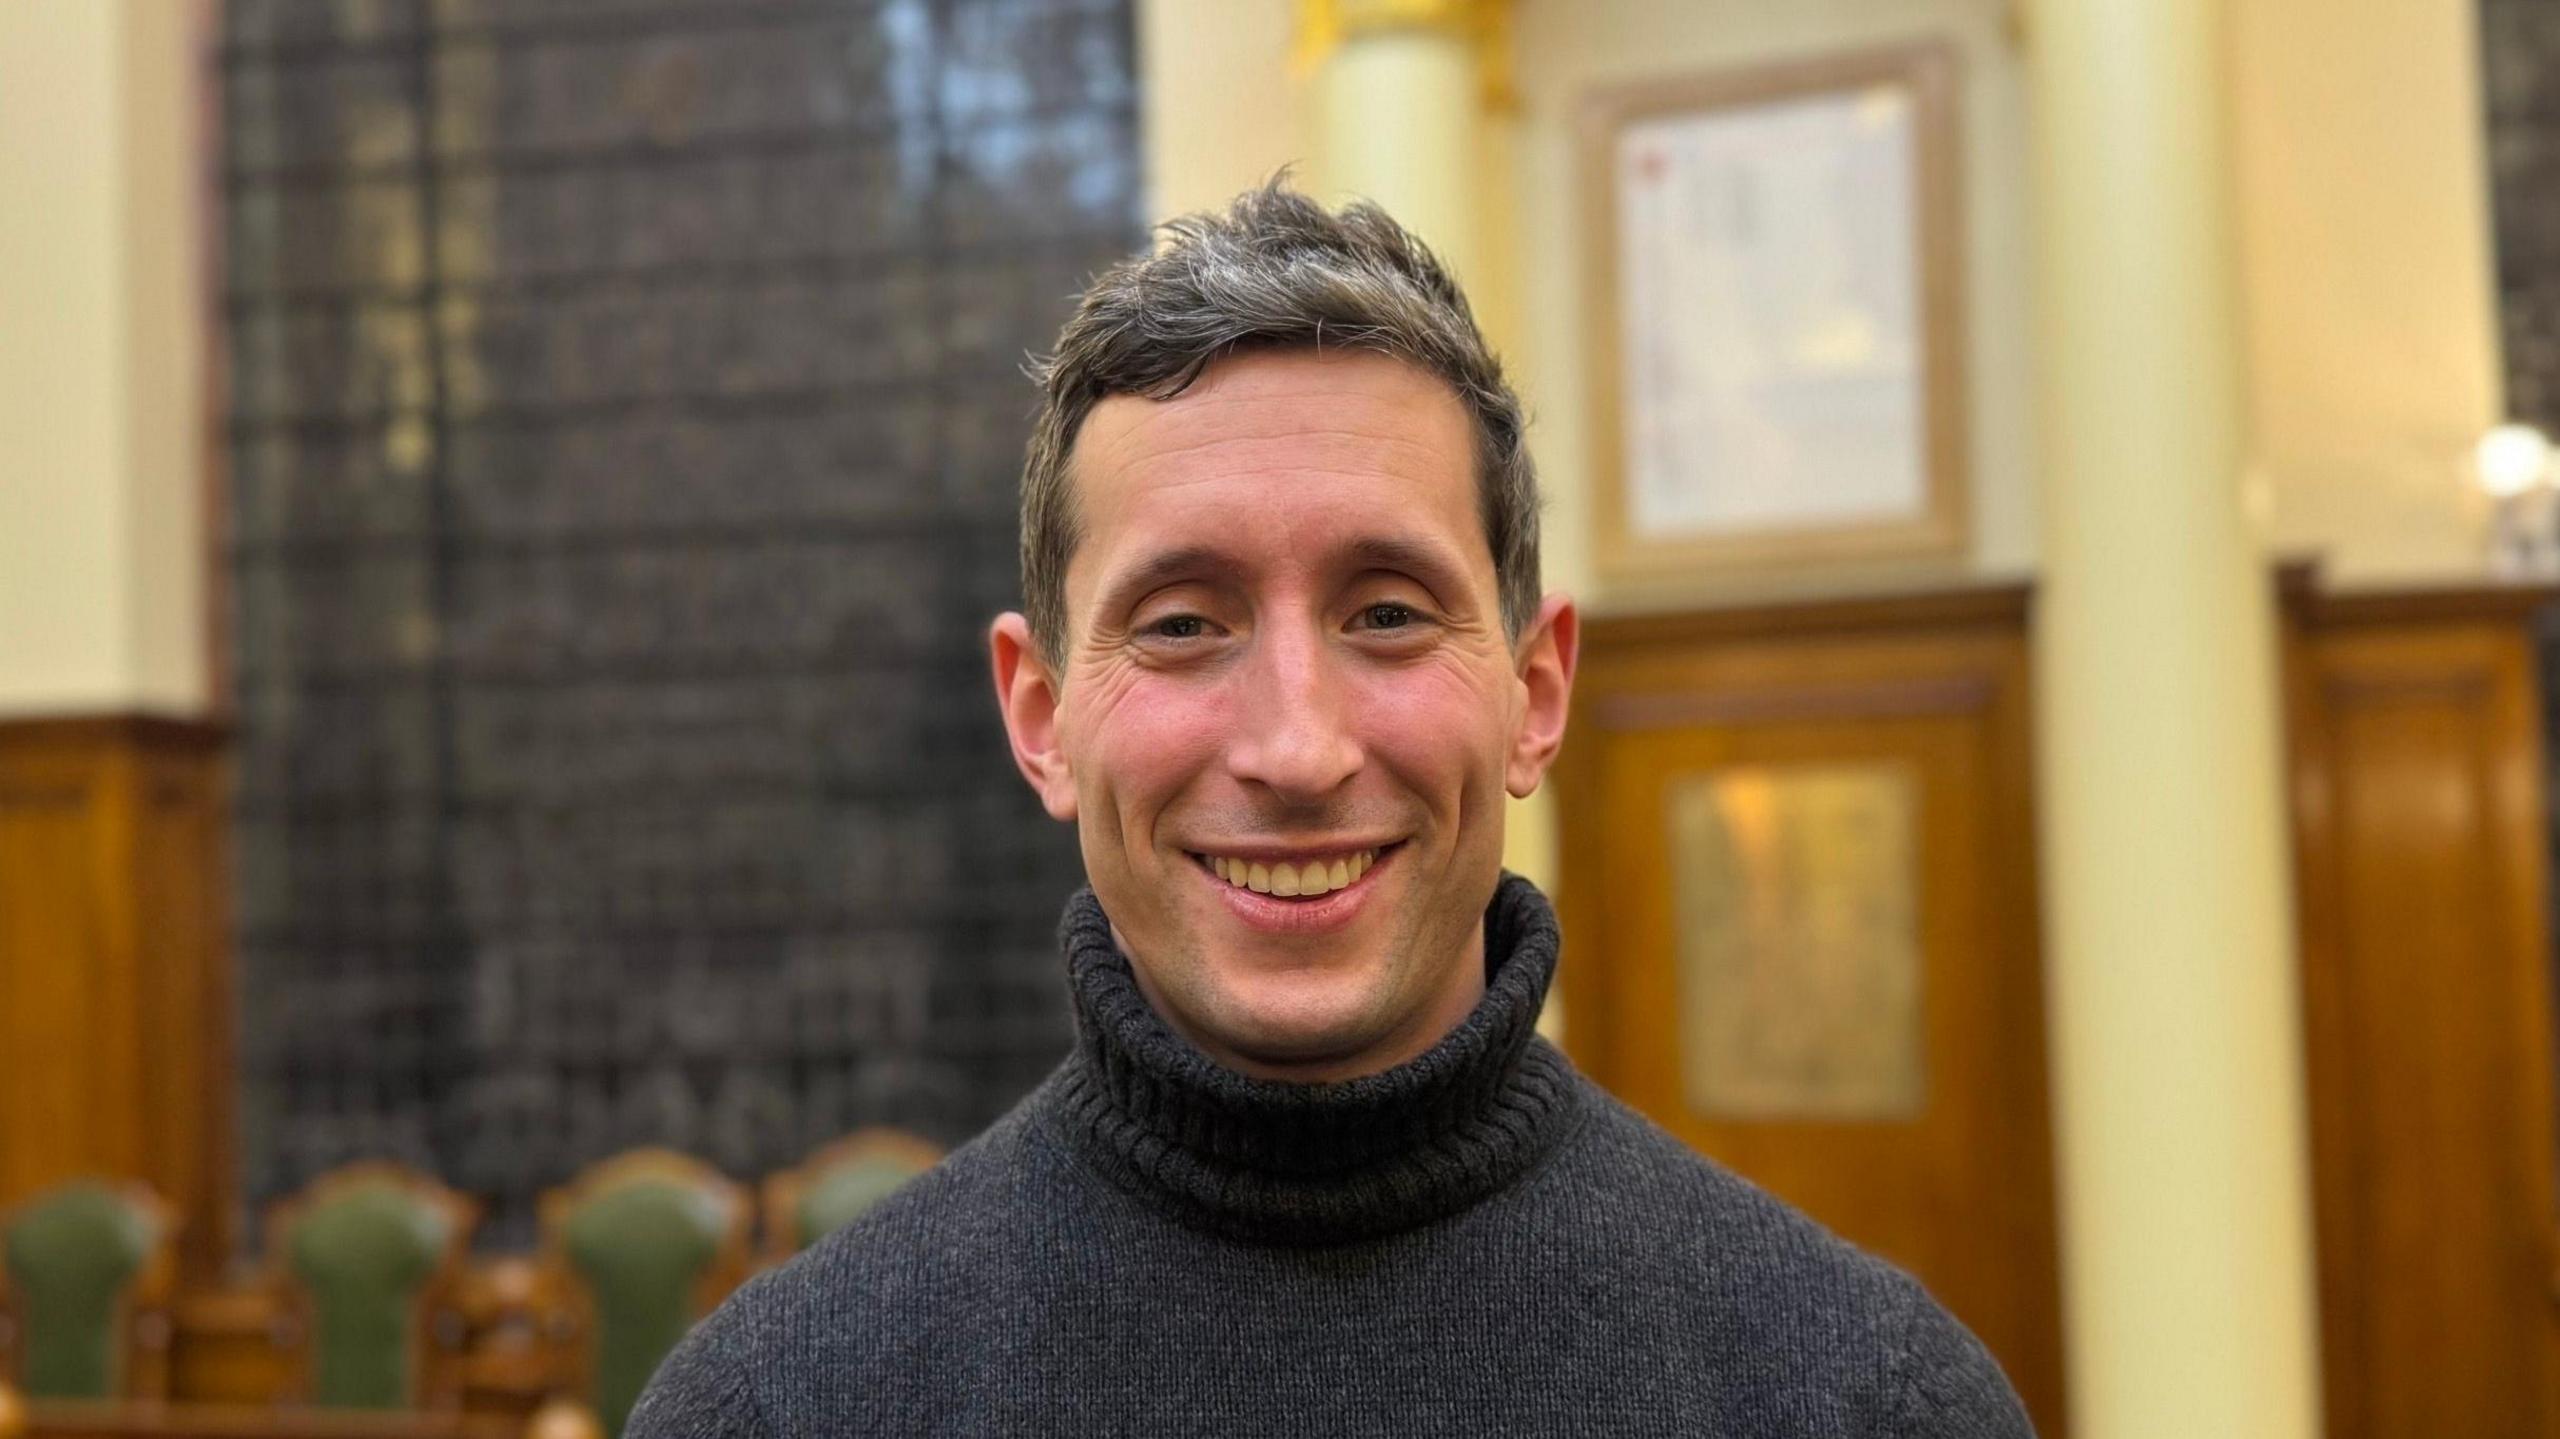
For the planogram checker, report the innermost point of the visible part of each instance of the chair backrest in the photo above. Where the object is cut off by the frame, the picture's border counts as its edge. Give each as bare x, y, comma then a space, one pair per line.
838, 1185
654, 1239
370, 1250
82, 1263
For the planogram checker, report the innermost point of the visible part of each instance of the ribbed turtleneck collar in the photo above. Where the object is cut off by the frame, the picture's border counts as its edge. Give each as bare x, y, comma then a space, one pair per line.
1278, 1162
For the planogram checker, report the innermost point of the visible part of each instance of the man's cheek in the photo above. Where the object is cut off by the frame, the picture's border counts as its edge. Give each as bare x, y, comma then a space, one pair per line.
1183, 713
1438, 690
1157, 743
1430, 712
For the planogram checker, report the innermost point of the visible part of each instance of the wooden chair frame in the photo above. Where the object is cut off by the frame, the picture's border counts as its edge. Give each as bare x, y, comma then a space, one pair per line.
523, 1337
144, 1311
437, 1359
784, 1189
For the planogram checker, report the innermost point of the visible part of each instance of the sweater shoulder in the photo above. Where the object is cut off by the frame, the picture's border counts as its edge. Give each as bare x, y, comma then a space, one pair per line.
1702, 1211
1724, 1255
865, 1301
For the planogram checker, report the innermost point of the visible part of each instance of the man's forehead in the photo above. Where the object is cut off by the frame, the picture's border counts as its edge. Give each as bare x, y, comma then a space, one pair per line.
1349, 412
1327, 462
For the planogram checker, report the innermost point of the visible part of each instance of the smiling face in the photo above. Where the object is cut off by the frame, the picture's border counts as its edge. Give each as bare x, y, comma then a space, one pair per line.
1288, 714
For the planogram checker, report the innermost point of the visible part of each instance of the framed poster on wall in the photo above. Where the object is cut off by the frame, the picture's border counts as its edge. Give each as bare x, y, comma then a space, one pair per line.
1775, 299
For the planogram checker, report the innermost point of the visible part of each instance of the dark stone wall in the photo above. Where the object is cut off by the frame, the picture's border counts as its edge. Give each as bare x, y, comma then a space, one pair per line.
2520, 61
626, 418
2520, 73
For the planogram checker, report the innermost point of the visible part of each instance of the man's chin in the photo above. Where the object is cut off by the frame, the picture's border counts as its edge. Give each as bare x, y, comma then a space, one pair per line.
1294, 1030
1248, 1003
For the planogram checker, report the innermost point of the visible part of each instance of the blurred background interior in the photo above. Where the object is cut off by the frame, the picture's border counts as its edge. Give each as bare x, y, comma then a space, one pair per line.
503, 831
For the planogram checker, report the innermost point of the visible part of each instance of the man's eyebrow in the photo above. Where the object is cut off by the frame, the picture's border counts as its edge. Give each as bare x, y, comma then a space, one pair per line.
1427, 562
1160, 569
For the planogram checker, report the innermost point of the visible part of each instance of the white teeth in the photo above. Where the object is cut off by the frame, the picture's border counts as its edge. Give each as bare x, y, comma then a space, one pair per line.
1289, 880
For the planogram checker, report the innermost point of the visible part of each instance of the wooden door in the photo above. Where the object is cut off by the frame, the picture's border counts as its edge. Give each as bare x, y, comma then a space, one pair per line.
2421, 861
114, 990
1867, 1041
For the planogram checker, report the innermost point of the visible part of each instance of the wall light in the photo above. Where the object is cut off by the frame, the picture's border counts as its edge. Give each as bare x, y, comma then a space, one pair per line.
2512, 464
2512, 459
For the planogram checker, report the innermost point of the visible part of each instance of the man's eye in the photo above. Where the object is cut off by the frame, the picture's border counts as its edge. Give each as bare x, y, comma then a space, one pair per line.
1179, 627
1388, 616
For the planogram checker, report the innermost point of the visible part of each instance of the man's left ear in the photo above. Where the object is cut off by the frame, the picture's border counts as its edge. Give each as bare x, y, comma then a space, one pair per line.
1544, 661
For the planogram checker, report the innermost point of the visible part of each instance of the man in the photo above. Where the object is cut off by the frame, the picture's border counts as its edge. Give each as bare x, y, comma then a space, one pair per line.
1309, 1170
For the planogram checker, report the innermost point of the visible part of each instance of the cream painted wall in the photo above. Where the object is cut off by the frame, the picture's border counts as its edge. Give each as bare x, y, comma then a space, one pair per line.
63, 603
2366, 280
101, 375
167, 197
1223, 110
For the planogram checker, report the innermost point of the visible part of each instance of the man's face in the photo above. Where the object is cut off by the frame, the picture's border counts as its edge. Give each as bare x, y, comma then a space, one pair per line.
1288, 714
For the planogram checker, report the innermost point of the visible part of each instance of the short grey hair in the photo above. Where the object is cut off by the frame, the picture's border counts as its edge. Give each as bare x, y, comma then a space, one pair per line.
1274, 270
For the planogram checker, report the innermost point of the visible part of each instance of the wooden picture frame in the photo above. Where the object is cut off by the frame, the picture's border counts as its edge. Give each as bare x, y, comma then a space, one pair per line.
1702, 123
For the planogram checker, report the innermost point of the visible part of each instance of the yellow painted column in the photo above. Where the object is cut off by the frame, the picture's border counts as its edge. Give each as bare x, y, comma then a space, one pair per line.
102, 338
1403, 91
2176, 1038
1400, 88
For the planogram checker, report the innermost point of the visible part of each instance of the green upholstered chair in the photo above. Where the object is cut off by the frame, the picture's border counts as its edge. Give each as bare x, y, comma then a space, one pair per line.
652, 1240
835, 1186
86, 1273
369, 1257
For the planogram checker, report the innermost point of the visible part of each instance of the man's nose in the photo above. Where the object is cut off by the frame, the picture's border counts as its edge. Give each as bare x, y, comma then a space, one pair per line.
1295, 734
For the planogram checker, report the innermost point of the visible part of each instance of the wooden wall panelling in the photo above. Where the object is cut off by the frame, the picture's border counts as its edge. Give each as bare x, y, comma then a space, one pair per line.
115, 1048
1959, 1188
2420, 826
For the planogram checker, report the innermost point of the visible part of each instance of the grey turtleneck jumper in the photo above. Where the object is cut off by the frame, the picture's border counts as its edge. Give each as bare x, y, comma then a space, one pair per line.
1478, 1241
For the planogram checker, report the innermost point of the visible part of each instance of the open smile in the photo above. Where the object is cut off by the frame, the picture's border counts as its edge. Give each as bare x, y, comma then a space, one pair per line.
1305, 894
1290, 879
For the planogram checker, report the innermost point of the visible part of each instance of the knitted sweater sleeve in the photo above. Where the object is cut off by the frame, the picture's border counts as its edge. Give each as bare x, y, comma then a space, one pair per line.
1949, 1386
705, 1389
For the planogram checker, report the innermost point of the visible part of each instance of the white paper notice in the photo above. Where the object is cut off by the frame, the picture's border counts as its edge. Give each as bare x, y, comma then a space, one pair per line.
1769, 277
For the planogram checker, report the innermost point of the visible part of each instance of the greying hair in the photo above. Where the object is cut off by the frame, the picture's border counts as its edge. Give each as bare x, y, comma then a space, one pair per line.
1274, 270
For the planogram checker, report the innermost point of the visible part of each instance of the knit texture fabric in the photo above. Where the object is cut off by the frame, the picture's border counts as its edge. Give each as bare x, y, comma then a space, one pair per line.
1478, 1241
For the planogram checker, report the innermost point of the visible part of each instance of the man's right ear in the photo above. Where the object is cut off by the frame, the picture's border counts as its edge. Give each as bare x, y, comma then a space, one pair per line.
1027, 695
